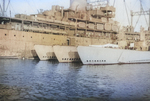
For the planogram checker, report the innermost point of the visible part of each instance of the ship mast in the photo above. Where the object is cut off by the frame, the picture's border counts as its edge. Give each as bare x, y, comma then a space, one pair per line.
3, 13
139, 13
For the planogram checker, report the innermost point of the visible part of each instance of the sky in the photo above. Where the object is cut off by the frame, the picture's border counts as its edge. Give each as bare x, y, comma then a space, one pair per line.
133, 5
32, 6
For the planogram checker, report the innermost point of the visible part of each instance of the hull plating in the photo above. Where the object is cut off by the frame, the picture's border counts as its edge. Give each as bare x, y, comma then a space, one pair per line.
66, 53
96, 55
45, 52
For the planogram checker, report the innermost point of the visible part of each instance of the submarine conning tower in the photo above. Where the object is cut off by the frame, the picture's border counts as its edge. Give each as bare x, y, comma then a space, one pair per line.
78, 5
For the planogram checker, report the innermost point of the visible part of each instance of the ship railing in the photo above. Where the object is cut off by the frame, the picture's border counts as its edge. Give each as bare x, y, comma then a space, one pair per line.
54, 21
43, 30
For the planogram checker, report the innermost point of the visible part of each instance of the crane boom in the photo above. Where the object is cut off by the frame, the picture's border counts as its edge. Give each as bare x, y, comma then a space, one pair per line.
139, 13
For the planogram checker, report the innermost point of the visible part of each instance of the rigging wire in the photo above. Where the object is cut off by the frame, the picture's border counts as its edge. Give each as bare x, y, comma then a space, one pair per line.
29, 5
127, 12
134, 4
114, 3
121, 10
12, 8
146, 4
145, 18
1, 8
7, 5
137, 20
144, 13
35, 5
141, 12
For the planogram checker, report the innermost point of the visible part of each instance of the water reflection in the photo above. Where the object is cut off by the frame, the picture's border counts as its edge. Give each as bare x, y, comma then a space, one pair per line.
50, 80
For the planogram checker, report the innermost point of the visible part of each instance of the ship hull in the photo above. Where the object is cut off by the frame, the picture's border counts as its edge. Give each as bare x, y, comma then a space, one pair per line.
97, 55
66, 54
45, 52
20, 44
132, 56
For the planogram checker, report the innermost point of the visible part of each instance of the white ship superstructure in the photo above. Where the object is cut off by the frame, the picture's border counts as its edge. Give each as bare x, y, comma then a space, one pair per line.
44, 52
101, 55
66, 53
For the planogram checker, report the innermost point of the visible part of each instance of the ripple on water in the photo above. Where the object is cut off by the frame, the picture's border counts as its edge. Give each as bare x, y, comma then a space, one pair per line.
50, 80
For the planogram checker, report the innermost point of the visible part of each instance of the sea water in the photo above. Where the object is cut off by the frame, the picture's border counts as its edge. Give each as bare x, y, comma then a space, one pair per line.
33, 80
